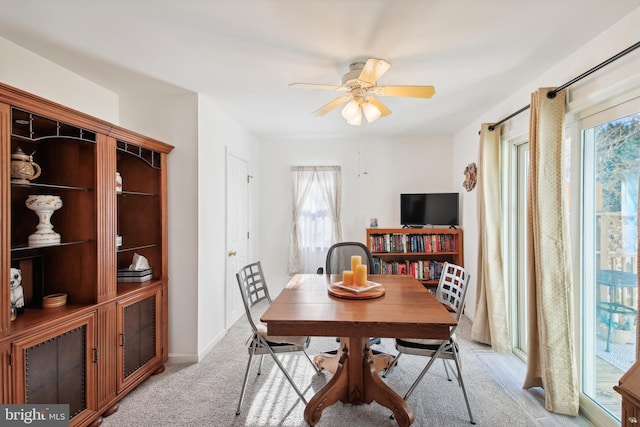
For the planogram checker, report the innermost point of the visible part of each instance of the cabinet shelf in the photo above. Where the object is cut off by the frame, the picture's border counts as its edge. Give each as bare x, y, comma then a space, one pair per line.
137, 247
419, 254
24, 247
34, 317
51, 186
137, 193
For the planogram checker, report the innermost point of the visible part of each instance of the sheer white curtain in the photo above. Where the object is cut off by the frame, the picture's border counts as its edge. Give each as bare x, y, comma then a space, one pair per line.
316, 197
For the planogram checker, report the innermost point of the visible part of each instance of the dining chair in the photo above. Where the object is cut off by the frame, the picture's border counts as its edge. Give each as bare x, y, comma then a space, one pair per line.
451, 292
254, 290
339, 259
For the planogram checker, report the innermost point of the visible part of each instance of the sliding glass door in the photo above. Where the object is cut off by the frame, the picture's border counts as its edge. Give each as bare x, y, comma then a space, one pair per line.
518, 256
609, 294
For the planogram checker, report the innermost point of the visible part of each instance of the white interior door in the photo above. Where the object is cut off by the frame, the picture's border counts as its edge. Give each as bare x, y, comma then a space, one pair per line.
237, 234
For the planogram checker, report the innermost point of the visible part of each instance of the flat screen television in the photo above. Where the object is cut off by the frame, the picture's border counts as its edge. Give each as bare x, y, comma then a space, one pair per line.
434, 209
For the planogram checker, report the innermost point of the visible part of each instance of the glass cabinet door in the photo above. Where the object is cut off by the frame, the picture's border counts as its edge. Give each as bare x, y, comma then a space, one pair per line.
140, 344
59, 367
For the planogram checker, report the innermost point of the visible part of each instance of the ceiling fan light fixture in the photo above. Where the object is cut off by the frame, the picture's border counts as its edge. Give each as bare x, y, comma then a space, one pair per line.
351, 113
371, 112
361, 83
356, 120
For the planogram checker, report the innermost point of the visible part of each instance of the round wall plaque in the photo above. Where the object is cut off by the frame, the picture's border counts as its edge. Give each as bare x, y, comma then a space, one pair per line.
470, 173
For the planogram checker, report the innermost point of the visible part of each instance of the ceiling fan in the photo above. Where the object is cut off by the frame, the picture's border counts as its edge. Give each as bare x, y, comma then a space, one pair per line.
361, 84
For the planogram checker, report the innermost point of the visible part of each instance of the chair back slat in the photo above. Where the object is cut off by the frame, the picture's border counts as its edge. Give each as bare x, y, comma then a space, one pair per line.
253, 288
339, 257
452, 288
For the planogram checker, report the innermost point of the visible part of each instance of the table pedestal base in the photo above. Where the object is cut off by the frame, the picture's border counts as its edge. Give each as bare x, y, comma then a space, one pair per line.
355, 380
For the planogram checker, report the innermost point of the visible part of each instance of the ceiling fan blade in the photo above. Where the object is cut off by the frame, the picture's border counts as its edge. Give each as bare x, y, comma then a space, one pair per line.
409, 91
373, 69
331, 105
317, 86
384, 111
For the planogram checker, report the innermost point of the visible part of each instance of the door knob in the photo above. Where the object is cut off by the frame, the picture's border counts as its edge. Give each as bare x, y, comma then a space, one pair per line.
232, 253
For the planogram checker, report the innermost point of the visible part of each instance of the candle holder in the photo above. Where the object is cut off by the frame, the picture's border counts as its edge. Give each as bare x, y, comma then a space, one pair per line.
44, 206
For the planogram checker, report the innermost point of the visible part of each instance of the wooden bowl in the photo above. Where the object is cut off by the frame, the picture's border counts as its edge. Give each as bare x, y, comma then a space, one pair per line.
54, 300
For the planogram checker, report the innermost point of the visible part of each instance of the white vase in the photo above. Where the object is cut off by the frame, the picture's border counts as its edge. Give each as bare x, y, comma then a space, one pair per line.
44, 206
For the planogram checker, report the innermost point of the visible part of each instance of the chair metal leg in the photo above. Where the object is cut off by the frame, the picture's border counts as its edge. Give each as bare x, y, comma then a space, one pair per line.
446, 369
260, 364
456, 358
391, 366
315, 368
246, 376
426, 368
286, 374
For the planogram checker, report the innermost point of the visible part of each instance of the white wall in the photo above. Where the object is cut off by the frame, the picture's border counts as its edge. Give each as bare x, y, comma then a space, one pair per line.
604, 83
218, 135
393, 166
27, 71
171, 115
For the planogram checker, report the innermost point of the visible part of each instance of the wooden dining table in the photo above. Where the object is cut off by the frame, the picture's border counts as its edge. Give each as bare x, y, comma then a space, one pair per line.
405, 309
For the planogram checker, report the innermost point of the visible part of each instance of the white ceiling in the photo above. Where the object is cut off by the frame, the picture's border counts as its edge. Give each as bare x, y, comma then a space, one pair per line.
244, 53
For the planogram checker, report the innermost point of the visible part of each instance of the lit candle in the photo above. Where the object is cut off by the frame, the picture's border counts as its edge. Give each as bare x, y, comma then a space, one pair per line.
355, 260
347, 278
361, 275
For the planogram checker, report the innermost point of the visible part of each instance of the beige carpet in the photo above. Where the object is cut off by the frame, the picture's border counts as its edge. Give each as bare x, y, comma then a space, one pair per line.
206, 393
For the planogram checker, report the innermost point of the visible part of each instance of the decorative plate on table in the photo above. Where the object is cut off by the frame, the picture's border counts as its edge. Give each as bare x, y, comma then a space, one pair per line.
358, 289
371, 290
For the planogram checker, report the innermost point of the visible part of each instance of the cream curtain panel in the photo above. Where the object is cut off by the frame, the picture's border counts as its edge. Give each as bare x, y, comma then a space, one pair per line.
329, 178
490, 324
551, 354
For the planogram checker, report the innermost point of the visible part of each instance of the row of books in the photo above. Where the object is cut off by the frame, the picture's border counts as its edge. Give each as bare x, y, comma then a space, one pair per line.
407, 243
421, 270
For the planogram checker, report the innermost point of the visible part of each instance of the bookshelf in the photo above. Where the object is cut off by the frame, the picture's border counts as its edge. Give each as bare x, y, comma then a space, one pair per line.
418, 252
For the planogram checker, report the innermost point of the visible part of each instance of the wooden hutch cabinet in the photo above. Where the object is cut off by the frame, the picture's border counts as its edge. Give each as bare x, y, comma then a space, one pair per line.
112, 332
629, 384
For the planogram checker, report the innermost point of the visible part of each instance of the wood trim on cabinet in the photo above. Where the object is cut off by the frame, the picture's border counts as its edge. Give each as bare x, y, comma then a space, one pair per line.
5, 220
35, 104
106, 207
107, 363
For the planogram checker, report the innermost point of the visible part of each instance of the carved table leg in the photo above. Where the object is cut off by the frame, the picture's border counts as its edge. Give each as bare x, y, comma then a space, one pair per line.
329, 362
336, 389
356, 381
376, 389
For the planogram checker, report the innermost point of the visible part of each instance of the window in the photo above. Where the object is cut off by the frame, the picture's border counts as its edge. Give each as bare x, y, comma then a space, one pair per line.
315, 216
611, 162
